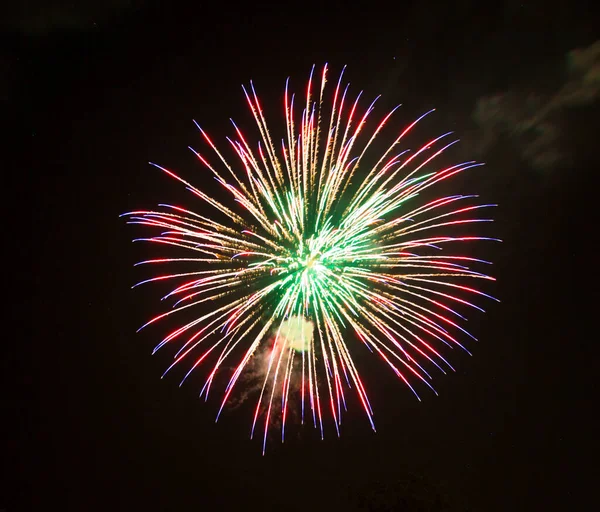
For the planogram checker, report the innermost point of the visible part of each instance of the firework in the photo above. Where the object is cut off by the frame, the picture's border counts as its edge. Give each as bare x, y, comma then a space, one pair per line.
327, 243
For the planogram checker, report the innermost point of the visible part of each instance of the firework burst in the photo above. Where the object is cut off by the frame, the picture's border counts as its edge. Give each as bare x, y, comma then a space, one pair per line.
326, 243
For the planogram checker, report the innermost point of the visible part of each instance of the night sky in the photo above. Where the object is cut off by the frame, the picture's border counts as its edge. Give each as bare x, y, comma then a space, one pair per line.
94, 93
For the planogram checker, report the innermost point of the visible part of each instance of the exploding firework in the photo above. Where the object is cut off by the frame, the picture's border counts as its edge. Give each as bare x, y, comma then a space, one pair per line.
326, 243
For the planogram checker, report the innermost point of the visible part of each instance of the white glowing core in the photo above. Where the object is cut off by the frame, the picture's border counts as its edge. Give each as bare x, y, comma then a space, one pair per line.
297, 332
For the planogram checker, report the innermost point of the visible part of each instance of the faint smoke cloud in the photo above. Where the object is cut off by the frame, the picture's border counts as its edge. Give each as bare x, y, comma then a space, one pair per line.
534, 122
44, 17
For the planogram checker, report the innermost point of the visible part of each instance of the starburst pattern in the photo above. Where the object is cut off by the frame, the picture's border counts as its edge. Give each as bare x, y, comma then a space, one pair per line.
321, 248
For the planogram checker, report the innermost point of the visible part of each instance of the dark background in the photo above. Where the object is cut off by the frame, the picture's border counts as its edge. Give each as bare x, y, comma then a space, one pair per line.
94, 92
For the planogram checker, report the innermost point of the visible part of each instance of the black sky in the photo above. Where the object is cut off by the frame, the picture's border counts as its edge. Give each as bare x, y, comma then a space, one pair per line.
91, 101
